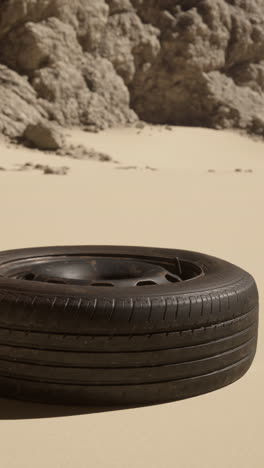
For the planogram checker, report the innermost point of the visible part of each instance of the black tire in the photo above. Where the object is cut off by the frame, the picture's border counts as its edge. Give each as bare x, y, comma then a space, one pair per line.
82, 344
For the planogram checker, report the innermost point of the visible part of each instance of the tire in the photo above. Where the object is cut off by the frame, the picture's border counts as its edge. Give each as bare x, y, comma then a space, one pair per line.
176, 336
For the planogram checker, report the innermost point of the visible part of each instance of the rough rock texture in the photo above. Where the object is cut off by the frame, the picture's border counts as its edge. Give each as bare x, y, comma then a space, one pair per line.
210, 69
90, 94
43, 136
18, 103
53, 44
103, 63
128, 43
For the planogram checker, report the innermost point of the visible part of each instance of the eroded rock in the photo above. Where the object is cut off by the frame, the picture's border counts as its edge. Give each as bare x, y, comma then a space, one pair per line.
82, 152
106, 63
129, 44
33, 46
43, 136
48, 170
210, 70
18, 103
45, 168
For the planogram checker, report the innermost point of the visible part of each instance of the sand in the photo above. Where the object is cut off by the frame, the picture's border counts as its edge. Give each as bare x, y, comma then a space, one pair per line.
178, 205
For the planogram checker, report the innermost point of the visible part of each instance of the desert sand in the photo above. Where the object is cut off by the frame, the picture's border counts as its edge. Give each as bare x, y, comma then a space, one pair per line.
180, 205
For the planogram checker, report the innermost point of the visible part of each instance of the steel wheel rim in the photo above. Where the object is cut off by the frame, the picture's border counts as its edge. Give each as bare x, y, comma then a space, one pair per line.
102, 270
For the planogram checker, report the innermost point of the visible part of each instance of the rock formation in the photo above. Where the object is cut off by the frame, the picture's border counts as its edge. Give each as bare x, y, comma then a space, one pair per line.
106, 63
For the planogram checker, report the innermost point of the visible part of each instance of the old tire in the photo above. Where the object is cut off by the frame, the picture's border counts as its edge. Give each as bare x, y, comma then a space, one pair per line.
187, 331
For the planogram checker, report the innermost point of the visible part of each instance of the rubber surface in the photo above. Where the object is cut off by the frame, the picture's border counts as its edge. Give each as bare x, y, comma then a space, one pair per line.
125, 346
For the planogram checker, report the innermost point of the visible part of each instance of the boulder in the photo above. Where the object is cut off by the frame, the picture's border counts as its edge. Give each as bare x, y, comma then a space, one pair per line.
43, 136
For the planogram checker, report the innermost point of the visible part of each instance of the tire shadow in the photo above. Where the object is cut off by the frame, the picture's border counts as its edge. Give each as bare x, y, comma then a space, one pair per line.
17, 409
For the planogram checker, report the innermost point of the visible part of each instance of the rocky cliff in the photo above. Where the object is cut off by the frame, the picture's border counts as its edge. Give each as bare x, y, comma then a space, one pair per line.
107, 62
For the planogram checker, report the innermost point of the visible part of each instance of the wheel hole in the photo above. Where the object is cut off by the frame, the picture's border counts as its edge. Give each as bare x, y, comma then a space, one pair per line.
28, 277
171, 279
145, 283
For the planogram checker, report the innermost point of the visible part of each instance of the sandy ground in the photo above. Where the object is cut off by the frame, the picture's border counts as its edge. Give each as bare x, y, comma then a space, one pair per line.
180, 205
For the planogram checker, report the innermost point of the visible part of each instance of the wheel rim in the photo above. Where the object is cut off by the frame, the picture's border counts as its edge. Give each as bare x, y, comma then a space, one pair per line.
112, 271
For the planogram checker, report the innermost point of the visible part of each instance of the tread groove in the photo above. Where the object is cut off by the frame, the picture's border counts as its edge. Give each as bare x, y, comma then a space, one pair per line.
249, 356
190, 361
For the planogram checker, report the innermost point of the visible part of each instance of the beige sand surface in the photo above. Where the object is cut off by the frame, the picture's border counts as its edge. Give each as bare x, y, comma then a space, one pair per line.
179, 205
